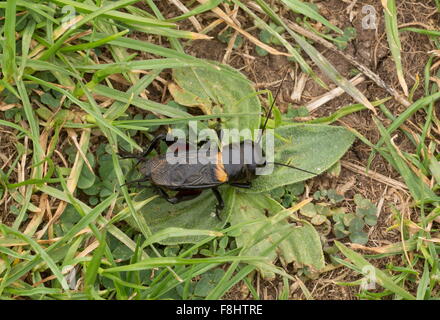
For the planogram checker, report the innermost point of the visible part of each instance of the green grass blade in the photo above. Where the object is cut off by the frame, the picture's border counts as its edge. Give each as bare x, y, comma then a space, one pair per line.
113, 14
432, 33
394, 41
140, 102
381, 278
298, 58
419, 190
150, 64
93, 266
423, 283
206, 6
170, 33
40, 251
9, 43
100, 11
305, 9
179, 232
87, 108
405, 115
173, 261
344, 111
94, 44
25, 46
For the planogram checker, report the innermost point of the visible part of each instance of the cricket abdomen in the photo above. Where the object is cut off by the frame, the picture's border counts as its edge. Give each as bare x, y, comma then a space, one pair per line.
184, 176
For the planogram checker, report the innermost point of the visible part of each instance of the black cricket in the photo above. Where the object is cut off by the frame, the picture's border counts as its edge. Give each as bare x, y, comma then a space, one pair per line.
190, 179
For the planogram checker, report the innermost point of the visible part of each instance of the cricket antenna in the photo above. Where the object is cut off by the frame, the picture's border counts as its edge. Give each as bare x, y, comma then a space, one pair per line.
293, 167
272, 105
267, 119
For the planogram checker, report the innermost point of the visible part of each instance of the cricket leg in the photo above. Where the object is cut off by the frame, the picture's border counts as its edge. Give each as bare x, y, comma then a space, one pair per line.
245, 185
220, 205
145, 179
147, 151
180, 196
154, 144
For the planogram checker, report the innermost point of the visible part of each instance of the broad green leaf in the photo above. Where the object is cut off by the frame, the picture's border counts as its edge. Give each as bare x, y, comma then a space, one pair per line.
189, 99
217, 92
208, 281
302, 244
313, 148
318, 220
87, 178
308, 210
198, 213
371, 220
356, 225
359, 237
249, 208
304, 247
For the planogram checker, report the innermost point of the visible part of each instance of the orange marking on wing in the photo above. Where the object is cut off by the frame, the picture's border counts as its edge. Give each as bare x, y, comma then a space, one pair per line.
220, 172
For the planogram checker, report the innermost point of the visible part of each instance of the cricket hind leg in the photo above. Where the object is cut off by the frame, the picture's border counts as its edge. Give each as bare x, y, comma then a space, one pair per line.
220, 203
147, 151
181, 196
245, 185
187, 195
138, 181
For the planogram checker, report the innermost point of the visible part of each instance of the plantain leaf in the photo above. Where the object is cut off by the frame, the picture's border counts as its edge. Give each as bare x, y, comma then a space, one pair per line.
249, 208
198, 213
267, 238
313, 148
299, 244
216, 92
304, 246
